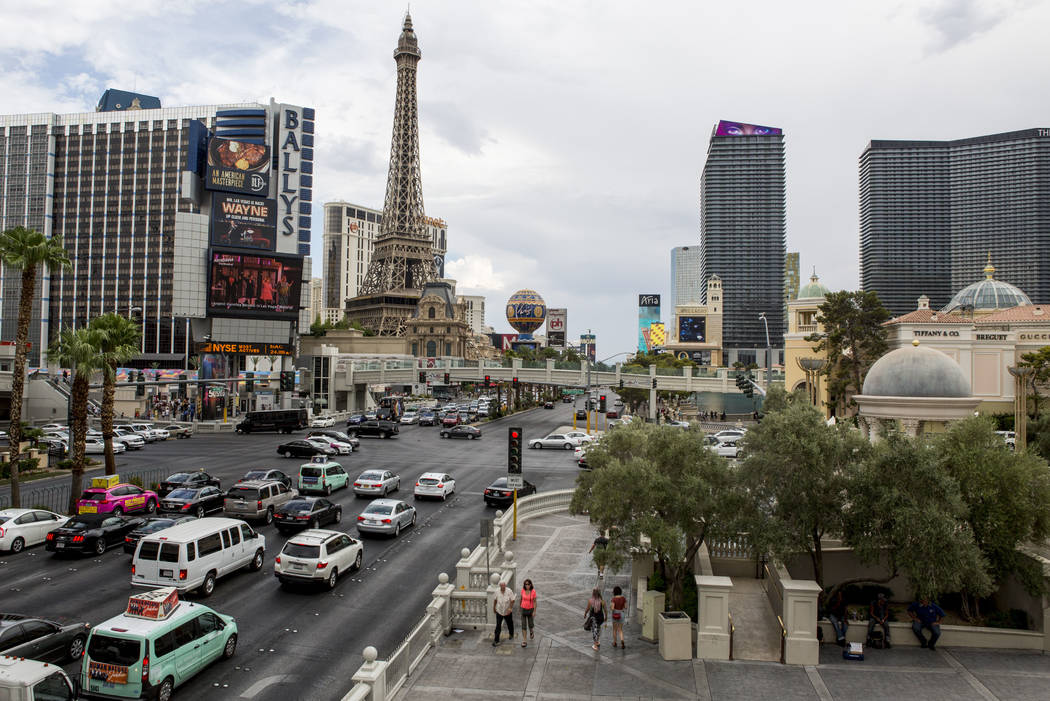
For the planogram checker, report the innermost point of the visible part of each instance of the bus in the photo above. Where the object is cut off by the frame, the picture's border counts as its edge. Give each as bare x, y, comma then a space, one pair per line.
390, 408
280, 420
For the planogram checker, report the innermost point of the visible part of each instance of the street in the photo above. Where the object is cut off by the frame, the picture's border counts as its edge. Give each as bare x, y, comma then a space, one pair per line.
306, 643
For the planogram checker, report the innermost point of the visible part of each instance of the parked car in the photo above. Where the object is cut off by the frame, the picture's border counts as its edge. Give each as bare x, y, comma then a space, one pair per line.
41, 639
386, 517
678, 424
151, 526
267, 476
339, 447
118, 500
147, 435
612, 414
306, 512
90, 533
434, 484
548, 405
461, 431
303, 449
553, 440
322, 422
188, 480
199, 502
450, 420
581, 415
131, 441
257, 499
54, 427
21, 528
376, 483
378, 428
337, 435
95, 446
578, 437
499, 494
727, 449
318, 556
179, 431
125, 432
322, 475
731, 434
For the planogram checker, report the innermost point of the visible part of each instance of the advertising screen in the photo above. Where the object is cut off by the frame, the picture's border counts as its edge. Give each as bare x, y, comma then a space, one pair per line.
243, 222
556, 323
648, 314
238, 166
262, 286
726, 128
692, 329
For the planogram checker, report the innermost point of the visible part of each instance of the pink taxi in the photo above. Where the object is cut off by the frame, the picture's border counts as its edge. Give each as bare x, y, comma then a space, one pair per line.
118, 499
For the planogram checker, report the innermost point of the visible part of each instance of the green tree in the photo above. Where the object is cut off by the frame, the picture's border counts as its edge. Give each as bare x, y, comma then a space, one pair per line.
118, 339
78, 350
27, 250
680, 494
795, 474
854, 338
1007, 495
1039, 361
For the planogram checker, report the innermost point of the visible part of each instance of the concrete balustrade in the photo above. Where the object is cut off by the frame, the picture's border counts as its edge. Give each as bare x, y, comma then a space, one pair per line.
712, 630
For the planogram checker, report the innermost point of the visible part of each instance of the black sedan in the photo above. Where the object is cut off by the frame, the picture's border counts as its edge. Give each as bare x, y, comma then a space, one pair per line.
581, 414
461, 431
379, 428
91, 533
41, 639
193, 502
306, 512
267, 476
152, 525
188, 480
303, 449
498, 494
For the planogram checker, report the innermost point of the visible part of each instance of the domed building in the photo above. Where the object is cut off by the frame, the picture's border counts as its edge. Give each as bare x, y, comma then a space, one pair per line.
802, 364
915, 388
987, 296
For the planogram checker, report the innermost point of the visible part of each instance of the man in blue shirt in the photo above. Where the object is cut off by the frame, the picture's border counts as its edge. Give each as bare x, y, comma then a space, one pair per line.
926, 614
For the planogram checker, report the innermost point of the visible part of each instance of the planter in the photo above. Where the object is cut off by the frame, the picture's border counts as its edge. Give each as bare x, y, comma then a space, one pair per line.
676, 635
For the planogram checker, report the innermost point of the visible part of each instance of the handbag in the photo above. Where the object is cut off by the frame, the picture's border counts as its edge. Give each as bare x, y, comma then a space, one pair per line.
588, 623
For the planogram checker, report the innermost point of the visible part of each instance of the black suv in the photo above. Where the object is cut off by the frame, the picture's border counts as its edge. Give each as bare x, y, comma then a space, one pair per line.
380, 428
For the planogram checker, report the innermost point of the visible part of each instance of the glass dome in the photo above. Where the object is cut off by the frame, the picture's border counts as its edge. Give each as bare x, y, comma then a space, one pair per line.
987, 295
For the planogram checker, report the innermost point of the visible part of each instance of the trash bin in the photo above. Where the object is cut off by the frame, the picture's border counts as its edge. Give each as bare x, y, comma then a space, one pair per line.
676, 635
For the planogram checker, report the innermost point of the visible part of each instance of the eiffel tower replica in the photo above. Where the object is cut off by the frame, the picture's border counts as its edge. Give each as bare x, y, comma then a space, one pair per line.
403, 260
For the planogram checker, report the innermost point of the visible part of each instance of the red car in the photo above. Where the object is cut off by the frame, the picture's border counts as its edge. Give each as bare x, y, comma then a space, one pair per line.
118, 500
612, 414
450, 420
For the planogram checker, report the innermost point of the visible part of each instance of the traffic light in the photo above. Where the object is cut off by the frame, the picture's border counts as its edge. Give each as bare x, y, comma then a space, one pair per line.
514, 450
488, 382
741, 381
140, 389
422, 377
601, 403
447, 379
654, 383
749, 387
621, 383
249, 382
515, 383
287, 380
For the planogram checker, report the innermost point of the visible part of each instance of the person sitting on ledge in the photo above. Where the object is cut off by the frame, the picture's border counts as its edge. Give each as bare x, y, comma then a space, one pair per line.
926, 614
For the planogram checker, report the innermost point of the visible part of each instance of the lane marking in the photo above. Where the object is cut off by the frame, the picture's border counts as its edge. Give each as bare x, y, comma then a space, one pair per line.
252, 691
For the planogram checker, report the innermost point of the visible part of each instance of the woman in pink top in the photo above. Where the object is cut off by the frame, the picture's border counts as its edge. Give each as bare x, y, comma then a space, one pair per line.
528, 611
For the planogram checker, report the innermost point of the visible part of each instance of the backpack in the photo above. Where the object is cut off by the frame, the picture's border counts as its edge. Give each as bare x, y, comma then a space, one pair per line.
876, 640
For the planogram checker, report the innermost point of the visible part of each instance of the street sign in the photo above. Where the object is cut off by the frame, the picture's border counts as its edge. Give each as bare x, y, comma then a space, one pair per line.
514, 482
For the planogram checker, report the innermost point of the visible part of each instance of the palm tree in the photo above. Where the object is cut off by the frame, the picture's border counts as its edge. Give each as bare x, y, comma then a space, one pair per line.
118, 343
26, 249
78, 350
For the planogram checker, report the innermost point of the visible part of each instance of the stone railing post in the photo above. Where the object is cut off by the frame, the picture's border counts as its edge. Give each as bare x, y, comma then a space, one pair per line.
497, 532
509, 566
712, 629
441, 608
373, 674
463, 569
800, 621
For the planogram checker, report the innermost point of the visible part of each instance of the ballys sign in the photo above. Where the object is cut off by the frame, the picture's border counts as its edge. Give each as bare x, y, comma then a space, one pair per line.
289, 170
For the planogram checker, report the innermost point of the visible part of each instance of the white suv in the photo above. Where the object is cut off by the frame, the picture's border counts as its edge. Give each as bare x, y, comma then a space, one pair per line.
318, 555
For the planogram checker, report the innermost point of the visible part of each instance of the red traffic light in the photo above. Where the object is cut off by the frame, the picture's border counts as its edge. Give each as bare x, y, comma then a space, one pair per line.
514, 434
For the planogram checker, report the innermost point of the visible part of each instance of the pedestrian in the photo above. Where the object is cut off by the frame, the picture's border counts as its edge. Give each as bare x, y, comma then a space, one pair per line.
838, 615
528, 611
503, 607
619, 615
594, 616
600, 542
926, 614
879, 614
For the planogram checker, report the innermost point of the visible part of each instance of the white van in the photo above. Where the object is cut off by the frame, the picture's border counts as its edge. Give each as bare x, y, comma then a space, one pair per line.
29, 680
193, 555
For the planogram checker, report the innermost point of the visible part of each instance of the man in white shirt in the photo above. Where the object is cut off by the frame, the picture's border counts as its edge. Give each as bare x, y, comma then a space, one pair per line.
503, 606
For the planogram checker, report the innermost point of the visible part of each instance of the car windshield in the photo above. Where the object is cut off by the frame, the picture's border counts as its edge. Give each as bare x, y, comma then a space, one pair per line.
183, 494
81, 524
111, 650
256, 475
179, 477
371, 476
500, 483
4, 519
379, 509
243, 493
297, 550
298, 505
310, 471
93, 496
157, 525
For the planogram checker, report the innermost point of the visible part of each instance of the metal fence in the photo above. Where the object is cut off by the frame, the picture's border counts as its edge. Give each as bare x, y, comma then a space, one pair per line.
56, 497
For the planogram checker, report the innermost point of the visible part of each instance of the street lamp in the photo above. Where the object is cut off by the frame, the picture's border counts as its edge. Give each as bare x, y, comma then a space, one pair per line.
769, 350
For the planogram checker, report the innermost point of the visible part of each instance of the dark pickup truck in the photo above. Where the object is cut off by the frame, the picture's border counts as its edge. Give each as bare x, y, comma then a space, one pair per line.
379, 428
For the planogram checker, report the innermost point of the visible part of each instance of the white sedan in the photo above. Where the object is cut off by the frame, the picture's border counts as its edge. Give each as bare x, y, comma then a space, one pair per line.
409, 418
554, 440
318, 555
96, 446
727, 449
322, 422
434, 484
22, 527
339, 447
579, 437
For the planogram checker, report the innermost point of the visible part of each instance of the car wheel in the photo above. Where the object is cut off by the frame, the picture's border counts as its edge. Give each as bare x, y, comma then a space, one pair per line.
444, 435
567, 446
200, 512
328, 490
537, 446
17, 544
397, 486
413, 519
338, 516
397, 529
357, 561
230, 647
164, 690
314, 524
208, 586
444, 496
282, 453
257, 562
76, 648
100, 546
117, 511
268, 518
333, 578
470, 436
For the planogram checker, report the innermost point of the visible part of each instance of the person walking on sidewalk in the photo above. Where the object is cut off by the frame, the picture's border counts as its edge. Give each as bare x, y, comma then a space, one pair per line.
619, 615
503, 606
600, 542
528, 612
595, 616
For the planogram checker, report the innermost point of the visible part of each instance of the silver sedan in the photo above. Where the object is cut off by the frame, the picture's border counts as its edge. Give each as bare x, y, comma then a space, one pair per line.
377, 483
387, 517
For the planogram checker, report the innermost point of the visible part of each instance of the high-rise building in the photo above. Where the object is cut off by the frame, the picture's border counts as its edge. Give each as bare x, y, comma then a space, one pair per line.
685, 275
122, 186
475, 310
791, 280
932, 211
742, 234
316, 299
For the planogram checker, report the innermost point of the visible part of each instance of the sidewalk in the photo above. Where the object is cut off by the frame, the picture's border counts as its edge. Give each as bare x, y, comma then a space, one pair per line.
560, 664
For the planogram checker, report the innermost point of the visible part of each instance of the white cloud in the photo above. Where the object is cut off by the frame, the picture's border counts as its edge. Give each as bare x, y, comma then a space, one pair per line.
474, 275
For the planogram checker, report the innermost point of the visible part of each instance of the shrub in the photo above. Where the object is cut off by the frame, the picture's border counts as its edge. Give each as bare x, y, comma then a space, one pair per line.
135, 480
66, 464
154, 486
1014, 618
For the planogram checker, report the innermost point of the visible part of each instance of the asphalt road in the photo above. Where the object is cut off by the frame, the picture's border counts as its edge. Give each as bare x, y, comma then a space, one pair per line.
306, 643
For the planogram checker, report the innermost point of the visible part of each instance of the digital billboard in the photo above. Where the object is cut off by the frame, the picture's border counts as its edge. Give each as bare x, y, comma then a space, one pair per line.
556, 323
692, 329
257, 286
238, 166
726, 128
243, 222
648, 314
587, 346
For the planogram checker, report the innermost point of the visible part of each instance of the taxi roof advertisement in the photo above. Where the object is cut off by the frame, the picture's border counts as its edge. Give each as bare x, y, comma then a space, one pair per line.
238, 166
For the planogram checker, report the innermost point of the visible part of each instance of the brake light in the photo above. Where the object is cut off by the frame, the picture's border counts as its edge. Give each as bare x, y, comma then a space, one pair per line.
360, 518
441, 485
127, 539
145, 669
133, 569
386, 520
50, 536
1, 532
258, 504
357, 484
322, 565
78, 539
183, 574
186, 507
277, 559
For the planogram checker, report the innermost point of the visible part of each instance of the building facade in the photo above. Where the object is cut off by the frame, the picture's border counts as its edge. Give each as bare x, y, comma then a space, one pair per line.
316, 299
931, 211
791, 280
743, 234
474, 309
439, 328
686, 282
696, 329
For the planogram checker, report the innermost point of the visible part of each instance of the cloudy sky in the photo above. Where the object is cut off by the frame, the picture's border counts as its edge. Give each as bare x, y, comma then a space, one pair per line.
563, 139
